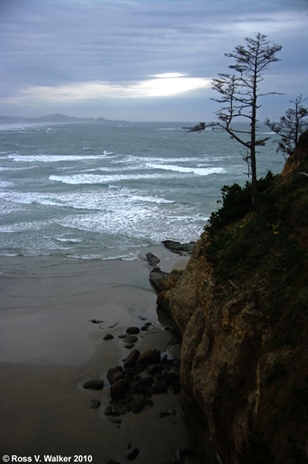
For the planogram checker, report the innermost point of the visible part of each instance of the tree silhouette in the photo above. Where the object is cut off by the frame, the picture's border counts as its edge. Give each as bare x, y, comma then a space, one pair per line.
290, 126
240, 94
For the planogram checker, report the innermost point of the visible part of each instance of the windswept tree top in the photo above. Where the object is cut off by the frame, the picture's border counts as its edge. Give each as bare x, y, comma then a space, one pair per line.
239, 95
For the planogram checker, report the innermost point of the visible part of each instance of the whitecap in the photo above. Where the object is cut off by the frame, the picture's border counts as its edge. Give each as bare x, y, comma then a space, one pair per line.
5, 184
51, 158
191, 170
100, 179
68, 240
150, 199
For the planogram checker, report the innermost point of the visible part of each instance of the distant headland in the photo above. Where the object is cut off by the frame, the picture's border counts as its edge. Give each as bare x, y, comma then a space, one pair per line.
56, 119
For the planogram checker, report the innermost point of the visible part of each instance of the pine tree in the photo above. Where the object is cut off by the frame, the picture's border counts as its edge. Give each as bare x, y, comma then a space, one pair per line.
290, 126
240, 94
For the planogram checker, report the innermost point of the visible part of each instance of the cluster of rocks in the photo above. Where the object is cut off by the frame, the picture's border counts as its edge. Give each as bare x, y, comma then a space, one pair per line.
131, 391
130, 336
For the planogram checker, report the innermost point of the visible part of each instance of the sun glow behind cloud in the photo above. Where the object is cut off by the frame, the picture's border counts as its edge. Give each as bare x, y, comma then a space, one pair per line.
160, 85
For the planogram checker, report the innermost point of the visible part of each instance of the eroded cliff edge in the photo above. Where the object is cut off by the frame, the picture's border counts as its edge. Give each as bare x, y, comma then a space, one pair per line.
241, 308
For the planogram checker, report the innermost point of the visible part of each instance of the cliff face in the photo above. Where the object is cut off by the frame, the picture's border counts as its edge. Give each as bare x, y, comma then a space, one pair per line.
241, 307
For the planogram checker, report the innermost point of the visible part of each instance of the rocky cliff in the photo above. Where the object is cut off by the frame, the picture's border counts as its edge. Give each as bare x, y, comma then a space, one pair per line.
241, 307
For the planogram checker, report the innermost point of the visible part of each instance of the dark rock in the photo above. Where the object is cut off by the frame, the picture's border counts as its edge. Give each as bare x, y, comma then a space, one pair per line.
146, 381
148, 326
130, 339
155, 369
121, 407
137, 403
122, 335
108, 337
137, 369
178, 247
95, 404
152, 259
133, 454
132, 330
115, 374
131, 359
150, 357
94, 384
119, 389
159, 279
95, 321
160, 386
129, 345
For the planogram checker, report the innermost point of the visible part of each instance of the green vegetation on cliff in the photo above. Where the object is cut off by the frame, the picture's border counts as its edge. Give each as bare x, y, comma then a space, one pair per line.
264, 254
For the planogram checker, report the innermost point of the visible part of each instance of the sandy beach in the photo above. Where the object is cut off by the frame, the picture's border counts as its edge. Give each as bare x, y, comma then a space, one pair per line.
49, 348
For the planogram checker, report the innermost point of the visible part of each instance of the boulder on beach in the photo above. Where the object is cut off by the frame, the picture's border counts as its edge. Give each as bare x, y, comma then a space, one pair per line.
131, 359
132, 330
119, 389
152, 259
137, 369
159, 279
154, 369
130, 339
115, 374
137, 403
149, 357
95, 404
133, 454
94, 384
129, 345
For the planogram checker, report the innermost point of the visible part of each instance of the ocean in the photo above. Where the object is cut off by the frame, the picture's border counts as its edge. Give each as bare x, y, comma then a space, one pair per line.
81, 205
95, 191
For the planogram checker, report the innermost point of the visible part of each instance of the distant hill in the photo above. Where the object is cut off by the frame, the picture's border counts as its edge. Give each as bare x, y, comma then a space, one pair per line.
56, 119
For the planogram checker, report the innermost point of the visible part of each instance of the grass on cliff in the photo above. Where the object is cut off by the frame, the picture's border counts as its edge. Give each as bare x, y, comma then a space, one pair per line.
266, 249
264, 253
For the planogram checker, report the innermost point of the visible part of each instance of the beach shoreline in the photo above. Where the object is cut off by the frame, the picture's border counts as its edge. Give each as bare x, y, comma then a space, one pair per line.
50, 347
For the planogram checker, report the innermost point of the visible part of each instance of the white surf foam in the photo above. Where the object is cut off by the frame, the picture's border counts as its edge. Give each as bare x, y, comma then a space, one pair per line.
192, 170
51, 158
100, 179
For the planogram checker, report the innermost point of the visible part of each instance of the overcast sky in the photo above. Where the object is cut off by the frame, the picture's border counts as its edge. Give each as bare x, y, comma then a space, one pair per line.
142, 60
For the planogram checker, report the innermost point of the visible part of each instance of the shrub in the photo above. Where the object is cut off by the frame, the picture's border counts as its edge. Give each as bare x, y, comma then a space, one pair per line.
236, 202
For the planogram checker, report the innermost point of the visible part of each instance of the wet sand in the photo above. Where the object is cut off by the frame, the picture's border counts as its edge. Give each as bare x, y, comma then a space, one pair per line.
49, 348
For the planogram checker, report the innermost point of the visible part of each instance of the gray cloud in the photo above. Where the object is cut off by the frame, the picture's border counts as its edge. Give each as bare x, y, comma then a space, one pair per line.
58, 44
